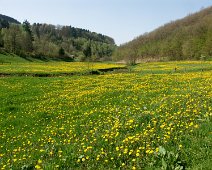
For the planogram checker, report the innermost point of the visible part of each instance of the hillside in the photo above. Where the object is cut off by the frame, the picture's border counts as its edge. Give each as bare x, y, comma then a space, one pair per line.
45, 40
189, 38
5, 21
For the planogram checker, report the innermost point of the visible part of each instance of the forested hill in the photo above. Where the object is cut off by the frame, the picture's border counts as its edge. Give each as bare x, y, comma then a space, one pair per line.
45, 40
187, 38
6, 19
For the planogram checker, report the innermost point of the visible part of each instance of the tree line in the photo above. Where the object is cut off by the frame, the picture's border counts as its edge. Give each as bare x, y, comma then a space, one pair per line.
187, 39
45, 40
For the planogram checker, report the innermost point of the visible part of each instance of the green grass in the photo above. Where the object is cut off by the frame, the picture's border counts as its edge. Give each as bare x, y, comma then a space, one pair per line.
113, 121
12, 59
173, 67
16, 66
9, 58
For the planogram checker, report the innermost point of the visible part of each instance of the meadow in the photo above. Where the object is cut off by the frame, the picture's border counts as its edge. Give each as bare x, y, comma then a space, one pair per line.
16, 65
155, 116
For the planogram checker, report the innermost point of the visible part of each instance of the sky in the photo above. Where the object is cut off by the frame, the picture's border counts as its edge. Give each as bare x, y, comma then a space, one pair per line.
122, 20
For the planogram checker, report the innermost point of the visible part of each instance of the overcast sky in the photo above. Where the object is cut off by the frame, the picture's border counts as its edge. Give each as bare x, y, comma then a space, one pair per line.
121, 19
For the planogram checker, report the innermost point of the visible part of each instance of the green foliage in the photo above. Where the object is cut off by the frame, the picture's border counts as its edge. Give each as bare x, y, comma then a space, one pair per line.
26, 27
4, 23
169, 160
77, 42
40, 40
87, 50
9, 19
61, 52
1, 39
185, 39
12, 38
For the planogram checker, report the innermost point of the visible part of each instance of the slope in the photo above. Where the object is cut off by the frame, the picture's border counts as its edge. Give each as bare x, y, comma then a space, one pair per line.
189, 38
9, 19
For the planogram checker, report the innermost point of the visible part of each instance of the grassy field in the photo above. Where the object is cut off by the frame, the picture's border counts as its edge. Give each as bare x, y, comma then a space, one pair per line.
156, 116
18, 65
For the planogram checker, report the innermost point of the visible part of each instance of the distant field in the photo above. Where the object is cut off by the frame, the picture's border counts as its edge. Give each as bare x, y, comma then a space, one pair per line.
173, 67
54, 67
156, 116
16, 64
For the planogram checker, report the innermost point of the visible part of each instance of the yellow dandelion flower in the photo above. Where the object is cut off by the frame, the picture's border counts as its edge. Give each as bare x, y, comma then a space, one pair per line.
37, 167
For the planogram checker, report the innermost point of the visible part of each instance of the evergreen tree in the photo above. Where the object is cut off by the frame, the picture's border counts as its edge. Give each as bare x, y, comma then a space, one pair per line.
1, 39
28, 36
4, 23
61, 52
87, 50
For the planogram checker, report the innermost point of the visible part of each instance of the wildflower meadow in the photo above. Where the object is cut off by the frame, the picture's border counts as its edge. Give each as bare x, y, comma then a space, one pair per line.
154, 116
